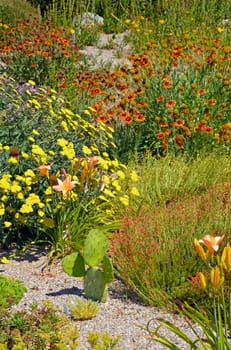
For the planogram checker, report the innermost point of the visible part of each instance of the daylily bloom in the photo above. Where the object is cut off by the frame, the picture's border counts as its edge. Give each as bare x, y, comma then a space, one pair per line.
64, 186
211, 242
44, 170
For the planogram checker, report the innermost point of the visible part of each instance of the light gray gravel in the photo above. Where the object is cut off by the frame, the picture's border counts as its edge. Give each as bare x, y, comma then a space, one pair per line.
120, 315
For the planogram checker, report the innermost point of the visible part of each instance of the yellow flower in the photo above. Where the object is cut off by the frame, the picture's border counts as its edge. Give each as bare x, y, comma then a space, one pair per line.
12, 160
134, 191
72, 31
7, 223
220, 29
124, 200
64, 125
35, 132
26, 209
4, 260
134, 176
116, 184
121, 174
2, 209
29, 173
20, 195
15, 187
108, 193
161, 21
6, 148
25, 155
86, 150
4, 198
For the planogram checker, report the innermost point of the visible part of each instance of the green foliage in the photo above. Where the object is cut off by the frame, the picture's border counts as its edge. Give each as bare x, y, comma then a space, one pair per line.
162, 180
11, 291
40, 136
47, 326
14, 9
83, 309
152, 252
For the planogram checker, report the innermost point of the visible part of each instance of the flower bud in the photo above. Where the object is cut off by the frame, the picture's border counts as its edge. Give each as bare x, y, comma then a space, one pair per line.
216, 277
200, 250
203, 280
226, 258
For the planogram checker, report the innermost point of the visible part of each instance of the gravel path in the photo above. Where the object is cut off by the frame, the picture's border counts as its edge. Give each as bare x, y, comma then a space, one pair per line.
122, 314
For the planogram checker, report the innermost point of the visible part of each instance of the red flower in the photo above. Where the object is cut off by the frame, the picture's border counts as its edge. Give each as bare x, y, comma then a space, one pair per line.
160, 98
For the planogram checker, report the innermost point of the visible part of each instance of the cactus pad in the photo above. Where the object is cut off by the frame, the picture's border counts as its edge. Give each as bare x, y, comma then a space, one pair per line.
73, 265
95, 247
95, 287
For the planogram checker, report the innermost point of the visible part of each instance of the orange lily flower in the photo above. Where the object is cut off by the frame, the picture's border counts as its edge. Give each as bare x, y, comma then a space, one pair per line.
64, 186
211, 242
44, 170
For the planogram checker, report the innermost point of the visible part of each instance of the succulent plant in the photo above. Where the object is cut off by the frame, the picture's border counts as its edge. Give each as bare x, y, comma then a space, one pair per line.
93, 264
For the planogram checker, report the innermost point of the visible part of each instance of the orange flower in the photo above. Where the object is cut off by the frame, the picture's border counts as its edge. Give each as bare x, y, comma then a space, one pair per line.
170, 103
139, 117
163, 124
166, 85
160, 135
96, 91
179, 122
64, 186
211, 242
211, 102
160, 98
201, 92
44, 170
128, 119
179, 139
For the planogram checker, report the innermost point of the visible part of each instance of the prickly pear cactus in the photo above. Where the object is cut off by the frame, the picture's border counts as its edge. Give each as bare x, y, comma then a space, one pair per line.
108, 270
74, 265
95, 247
95, 287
